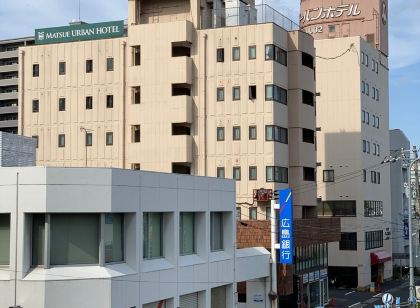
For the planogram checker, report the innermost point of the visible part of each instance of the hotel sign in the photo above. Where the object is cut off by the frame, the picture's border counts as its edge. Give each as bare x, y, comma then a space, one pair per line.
82, 32
345, 10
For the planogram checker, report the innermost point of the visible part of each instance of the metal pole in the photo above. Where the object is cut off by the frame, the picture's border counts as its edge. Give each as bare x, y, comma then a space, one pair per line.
16, 236
79, 10
86, 147
273, 255
410, 232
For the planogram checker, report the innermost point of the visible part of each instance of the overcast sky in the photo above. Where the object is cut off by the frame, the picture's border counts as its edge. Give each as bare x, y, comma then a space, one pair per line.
20, 18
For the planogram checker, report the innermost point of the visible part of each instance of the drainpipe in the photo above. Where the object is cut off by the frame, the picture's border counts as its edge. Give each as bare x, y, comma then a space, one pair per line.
205, 103
124, 102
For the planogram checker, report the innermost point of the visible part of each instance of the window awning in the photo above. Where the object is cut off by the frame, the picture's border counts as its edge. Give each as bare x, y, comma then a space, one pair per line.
379, 257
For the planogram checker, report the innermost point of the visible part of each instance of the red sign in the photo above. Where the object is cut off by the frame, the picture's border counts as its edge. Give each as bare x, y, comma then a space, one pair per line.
263, 194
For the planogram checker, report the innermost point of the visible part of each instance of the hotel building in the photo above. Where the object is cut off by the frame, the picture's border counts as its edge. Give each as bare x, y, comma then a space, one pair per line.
351, 42
211, 88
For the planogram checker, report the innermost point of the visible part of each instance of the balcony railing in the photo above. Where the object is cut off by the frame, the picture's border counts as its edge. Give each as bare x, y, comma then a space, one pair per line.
245, 15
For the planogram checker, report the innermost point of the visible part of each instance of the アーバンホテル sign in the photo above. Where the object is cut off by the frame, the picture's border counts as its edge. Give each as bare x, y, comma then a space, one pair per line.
79, 32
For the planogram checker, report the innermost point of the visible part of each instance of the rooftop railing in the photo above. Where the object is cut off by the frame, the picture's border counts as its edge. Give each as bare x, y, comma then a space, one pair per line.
245, 15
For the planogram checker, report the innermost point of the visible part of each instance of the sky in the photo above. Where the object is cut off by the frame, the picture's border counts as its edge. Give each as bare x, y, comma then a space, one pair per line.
20, 18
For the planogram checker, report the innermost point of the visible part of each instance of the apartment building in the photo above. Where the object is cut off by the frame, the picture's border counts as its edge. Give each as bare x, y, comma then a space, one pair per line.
399, 199
353, 135
9, 82
120, 238
211, 88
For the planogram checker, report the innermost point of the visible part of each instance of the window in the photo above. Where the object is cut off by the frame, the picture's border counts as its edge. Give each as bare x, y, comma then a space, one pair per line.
88, 139
252, 132
220, 55
109, 138
238, 213
35, 106
61, 140
236, 173
373, 92
363, 57
337, 208
252, 52
307, 60
236, 54
114, 238
110, 101
135, 166
74, 239
216, 231
366, 59
252, 92
308, 136
252, 173
109, 64
136, 96
378, 177
364, 175
220, 134
348, 241
377, 95
374, 208
220, 94
331, 28
36, 141
252, 213
275, 93
328, 176
4, 239
276, 133
277, 174
61, 68
374, 239
61, 104
38, 239
220, 172
236, 93
373, 177
367, 89
367, 118
35, 70
268, 213
89, 102
136, 50
187, 234
308, 174
374, 149
373, 65
236, 133
135, 133
363, 87
308, 98
275, 53
89, 66
152, 235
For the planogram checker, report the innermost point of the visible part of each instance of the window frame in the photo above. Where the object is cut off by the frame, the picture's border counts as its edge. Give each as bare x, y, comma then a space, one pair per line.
107, 134
220, 55
35, 70
89, 66
61, 137
236, 173
89, 102
252, 173
236, 53
328, 176
252, 132
236, 93
220, 137
61, 104
181, 233
61, 68
252, 52
35, 106
109, 101
219, 170
109, 64
146, 236
236, 133
220, 94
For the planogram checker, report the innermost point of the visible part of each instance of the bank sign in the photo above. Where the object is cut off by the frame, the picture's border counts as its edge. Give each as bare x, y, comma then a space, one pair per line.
286, 226
82, 32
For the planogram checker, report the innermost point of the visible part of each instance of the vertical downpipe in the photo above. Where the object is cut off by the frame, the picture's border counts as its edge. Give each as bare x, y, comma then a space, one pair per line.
125, 103
16, 237
205, 104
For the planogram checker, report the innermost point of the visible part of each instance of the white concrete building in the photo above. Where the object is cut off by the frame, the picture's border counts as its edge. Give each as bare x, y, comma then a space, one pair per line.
121, 239
17, 151
399, 197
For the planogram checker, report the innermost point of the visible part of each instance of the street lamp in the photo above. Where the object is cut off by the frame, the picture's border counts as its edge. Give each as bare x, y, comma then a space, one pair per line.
86, 131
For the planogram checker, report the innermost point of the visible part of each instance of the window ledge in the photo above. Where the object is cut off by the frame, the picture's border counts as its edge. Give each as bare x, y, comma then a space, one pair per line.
79, 272
190, 260
219, 256
156, 265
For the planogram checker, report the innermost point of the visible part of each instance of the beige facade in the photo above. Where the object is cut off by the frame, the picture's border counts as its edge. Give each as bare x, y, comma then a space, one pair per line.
353, 139
166, 114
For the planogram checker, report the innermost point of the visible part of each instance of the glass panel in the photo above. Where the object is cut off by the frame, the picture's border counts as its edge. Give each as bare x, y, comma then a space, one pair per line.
38, 239
314, 294
152, 236
269, 92
114, 238
74, 239
4, 239
216, 232
187, 234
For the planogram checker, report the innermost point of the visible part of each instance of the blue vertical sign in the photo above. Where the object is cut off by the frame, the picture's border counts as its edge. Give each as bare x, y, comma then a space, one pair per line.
406, 235
286, 226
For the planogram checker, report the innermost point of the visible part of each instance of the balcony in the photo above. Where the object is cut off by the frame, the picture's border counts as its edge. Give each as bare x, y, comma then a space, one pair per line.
181, 109
9, 68
181, 70
8, 82
9, 54
8, 96
8, 124
180, 149
8, 109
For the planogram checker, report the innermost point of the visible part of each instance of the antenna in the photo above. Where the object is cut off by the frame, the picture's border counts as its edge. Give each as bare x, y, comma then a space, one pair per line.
79, 11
